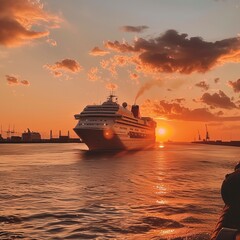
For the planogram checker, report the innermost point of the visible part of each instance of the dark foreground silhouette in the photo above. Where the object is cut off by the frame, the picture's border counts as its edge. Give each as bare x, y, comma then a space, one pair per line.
228, 225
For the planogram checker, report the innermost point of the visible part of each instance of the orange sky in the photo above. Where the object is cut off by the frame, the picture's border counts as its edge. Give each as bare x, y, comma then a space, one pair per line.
178, 60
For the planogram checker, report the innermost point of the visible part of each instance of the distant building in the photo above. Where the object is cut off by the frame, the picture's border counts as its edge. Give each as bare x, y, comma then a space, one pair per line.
31, 136
15, 139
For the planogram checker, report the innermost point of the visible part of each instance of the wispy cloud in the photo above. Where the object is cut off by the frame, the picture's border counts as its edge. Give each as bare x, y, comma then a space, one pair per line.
203, 85
96, 51
235, 85
135, 29
64, 65
93, 74
111, 86
17, 17
14, 80
52, 42
133, 76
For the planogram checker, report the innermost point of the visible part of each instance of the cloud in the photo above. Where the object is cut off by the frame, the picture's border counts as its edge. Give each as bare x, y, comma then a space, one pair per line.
120, 47
92, 74
111, 86
202, 85
116, 61
13, 81
235, 85
172, 52
220, 113
96, 51
218, 100
136, 29
68, 65
25, 82
179, 100
17, 17
52, 42
133, 76
176, 111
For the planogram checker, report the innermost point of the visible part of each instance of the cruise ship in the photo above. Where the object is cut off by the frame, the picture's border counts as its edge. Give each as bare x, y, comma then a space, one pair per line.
110, 126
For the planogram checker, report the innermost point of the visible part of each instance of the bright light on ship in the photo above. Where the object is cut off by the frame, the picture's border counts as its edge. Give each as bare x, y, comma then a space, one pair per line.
108, 133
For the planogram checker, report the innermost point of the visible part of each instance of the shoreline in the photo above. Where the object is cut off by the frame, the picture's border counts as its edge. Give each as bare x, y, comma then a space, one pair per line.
220, 143
71, 140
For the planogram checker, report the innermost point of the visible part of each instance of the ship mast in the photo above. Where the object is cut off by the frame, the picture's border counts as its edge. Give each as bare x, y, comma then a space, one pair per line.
112, 96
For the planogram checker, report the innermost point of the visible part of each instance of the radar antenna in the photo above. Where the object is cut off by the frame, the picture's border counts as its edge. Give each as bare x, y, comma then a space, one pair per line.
112, 97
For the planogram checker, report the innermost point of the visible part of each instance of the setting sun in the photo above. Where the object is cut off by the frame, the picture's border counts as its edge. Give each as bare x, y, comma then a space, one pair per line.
161, 131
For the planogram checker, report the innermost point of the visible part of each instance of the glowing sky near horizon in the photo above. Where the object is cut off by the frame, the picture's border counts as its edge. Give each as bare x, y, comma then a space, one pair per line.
179, 59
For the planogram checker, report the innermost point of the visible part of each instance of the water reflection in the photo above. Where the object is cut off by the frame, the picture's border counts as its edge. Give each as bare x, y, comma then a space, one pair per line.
161, 145
67, 192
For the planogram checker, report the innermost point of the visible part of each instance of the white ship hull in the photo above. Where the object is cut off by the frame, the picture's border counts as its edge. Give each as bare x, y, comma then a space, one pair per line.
96, 140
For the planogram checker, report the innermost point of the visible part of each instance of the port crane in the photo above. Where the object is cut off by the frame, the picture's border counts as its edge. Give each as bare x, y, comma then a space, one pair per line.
207, 134
9, 131
199, 136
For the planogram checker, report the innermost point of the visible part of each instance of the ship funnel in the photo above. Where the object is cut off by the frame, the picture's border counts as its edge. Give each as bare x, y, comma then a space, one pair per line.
135, 111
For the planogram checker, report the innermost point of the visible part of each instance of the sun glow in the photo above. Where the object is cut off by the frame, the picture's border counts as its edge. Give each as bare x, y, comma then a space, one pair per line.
161, 131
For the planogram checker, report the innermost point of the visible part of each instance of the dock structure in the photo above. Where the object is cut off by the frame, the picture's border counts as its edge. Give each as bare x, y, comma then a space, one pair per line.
35, 137
220, 143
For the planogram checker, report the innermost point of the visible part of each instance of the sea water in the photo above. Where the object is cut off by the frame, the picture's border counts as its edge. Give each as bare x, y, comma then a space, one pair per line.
62, 191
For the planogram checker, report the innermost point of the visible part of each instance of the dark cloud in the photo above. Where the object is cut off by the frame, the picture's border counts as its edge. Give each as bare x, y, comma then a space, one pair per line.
179, 100
17, 18
174, 52
25, 82
13, 33
235, 85
69, 65
98, 52
137, 29
176, 111
220, 113
218, 100
202, 85
13, 81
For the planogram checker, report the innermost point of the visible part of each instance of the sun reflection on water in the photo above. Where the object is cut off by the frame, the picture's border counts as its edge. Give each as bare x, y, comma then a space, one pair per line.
161, 145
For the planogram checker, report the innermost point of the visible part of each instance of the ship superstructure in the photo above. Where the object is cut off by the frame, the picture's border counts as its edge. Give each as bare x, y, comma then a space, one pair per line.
110, 126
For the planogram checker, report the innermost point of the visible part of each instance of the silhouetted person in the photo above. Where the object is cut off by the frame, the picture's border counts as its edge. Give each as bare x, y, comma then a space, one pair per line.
228, 226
